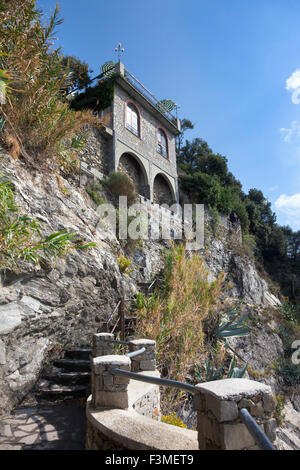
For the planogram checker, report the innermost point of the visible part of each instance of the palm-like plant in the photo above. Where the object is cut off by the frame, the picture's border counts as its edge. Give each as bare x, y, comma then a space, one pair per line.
21, 238
36, 111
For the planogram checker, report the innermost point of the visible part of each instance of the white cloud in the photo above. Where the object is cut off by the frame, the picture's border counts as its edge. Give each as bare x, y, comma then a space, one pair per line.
294, 81
289, 132
293, 84
290, 207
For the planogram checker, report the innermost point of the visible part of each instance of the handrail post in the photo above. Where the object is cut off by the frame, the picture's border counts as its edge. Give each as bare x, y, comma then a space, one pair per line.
108, 389
101, 347
218, 404
146, 360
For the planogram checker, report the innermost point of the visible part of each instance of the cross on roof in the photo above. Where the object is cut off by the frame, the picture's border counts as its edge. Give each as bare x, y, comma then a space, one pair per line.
119, 50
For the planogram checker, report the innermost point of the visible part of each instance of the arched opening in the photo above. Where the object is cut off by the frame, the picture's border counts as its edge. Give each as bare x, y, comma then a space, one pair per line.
136, 173
162, 191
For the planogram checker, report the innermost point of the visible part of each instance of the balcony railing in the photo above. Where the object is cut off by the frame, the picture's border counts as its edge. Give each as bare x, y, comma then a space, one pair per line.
150, 97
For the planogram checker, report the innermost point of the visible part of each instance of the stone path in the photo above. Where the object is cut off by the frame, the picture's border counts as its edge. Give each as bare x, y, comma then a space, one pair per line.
50, 427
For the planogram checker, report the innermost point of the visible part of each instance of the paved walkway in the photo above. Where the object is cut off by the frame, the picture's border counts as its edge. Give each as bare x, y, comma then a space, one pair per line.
50, 427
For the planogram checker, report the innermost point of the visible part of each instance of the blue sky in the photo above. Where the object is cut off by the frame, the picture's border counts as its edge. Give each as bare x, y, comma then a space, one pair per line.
233, 66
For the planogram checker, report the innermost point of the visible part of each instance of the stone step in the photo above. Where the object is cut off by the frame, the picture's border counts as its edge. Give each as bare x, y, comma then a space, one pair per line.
80, 353
59, 376
72, 365
50, 391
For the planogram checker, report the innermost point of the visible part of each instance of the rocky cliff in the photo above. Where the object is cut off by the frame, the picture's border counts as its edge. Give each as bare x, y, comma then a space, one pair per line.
55, 306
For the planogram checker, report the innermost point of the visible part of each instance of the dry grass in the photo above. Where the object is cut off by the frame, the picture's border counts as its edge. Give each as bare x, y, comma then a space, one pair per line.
175, 316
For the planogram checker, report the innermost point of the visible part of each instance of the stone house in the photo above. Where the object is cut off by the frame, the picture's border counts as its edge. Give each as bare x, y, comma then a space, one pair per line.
139, 139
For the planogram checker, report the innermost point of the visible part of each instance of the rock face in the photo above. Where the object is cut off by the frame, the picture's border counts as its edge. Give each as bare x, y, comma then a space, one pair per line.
42, 310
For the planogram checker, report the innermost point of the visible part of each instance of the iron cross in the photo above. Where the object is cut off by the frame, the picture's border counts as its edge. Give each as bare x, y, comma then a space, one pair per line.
119, 50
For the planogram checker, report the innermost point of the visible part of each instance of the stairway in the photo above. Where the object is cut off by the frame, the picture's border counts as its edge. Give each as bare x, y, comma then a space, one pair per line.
67, 378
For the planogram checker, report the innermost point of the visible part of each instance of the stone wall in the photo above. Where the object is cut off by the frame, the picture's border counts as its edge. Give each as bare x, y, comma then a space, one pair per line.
129, 166
145, 146
97, 152
161, 191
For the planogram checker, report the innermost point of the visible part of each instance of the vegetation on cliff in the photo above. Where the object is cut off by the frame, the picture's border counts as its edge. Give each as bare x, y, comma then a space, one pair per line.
206, 179
37, 122
21, 238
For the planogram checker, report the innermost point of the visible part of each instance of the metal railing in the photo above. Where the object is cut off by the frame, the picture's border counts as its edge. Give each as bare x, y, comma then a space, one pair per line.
150, 97
135, 353
259, 436
155, 380
256, 432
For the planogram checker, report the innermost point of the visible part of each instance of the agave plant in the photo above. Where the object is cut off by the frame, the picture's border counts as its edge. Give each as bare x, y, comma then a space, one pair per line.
231, 325
211, 373
235, 372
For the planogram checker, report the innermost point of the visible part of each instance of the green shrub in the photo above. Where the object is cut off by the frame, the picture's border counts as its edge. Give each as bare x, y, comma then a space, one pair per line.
289, 372
124, 265
289, 312
93, 192
120, 185
21, 238
279, 415
38, 121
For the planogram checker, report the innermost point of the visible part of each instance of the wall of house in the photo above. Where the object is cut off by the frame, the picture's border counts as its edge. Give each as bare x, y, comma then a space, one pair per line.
98, 150
144, 148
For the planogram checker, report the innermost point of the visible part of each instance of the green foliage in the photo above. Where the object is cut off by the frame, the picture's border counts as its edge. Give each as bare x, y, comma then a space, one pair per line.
94, 192
231, 325
279, 415
124, 265
120, 185
289, 312
97, 97
21, 238
249, 244
289, 372
207, 180
39, 123
208, 373
78, 74
235, 372
214, 219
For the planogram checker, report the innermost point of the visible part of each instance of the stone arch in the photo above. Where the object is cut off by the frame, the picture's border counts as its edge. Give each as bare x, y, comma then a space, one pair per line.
163, 192
135, 170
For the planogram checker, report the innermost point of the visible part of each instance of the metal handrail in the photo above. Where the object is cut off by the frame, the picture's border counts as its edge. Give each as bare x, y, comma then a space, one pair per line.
259, 436
149, 96
155, 380
135, 353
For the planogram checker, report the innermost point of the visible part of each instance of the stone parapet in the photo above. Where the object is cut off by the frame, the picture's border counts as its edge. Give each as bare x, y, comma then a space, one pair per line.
218, 404
108, 389
101, 347
146, 360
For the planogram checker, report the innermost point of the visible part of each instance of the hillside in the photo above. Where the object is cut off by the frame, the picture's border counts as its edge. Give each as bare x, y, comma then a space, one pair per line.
47, 308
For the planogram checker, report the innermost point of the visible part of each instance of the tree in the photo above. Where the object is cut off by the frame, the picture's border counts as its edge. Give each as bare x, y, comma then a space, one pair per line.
185, 125
78, 74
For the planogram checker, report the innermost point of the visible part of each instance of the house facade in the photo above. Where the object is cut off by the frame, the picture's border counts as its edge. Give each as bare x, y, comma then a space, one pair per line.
142, 138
